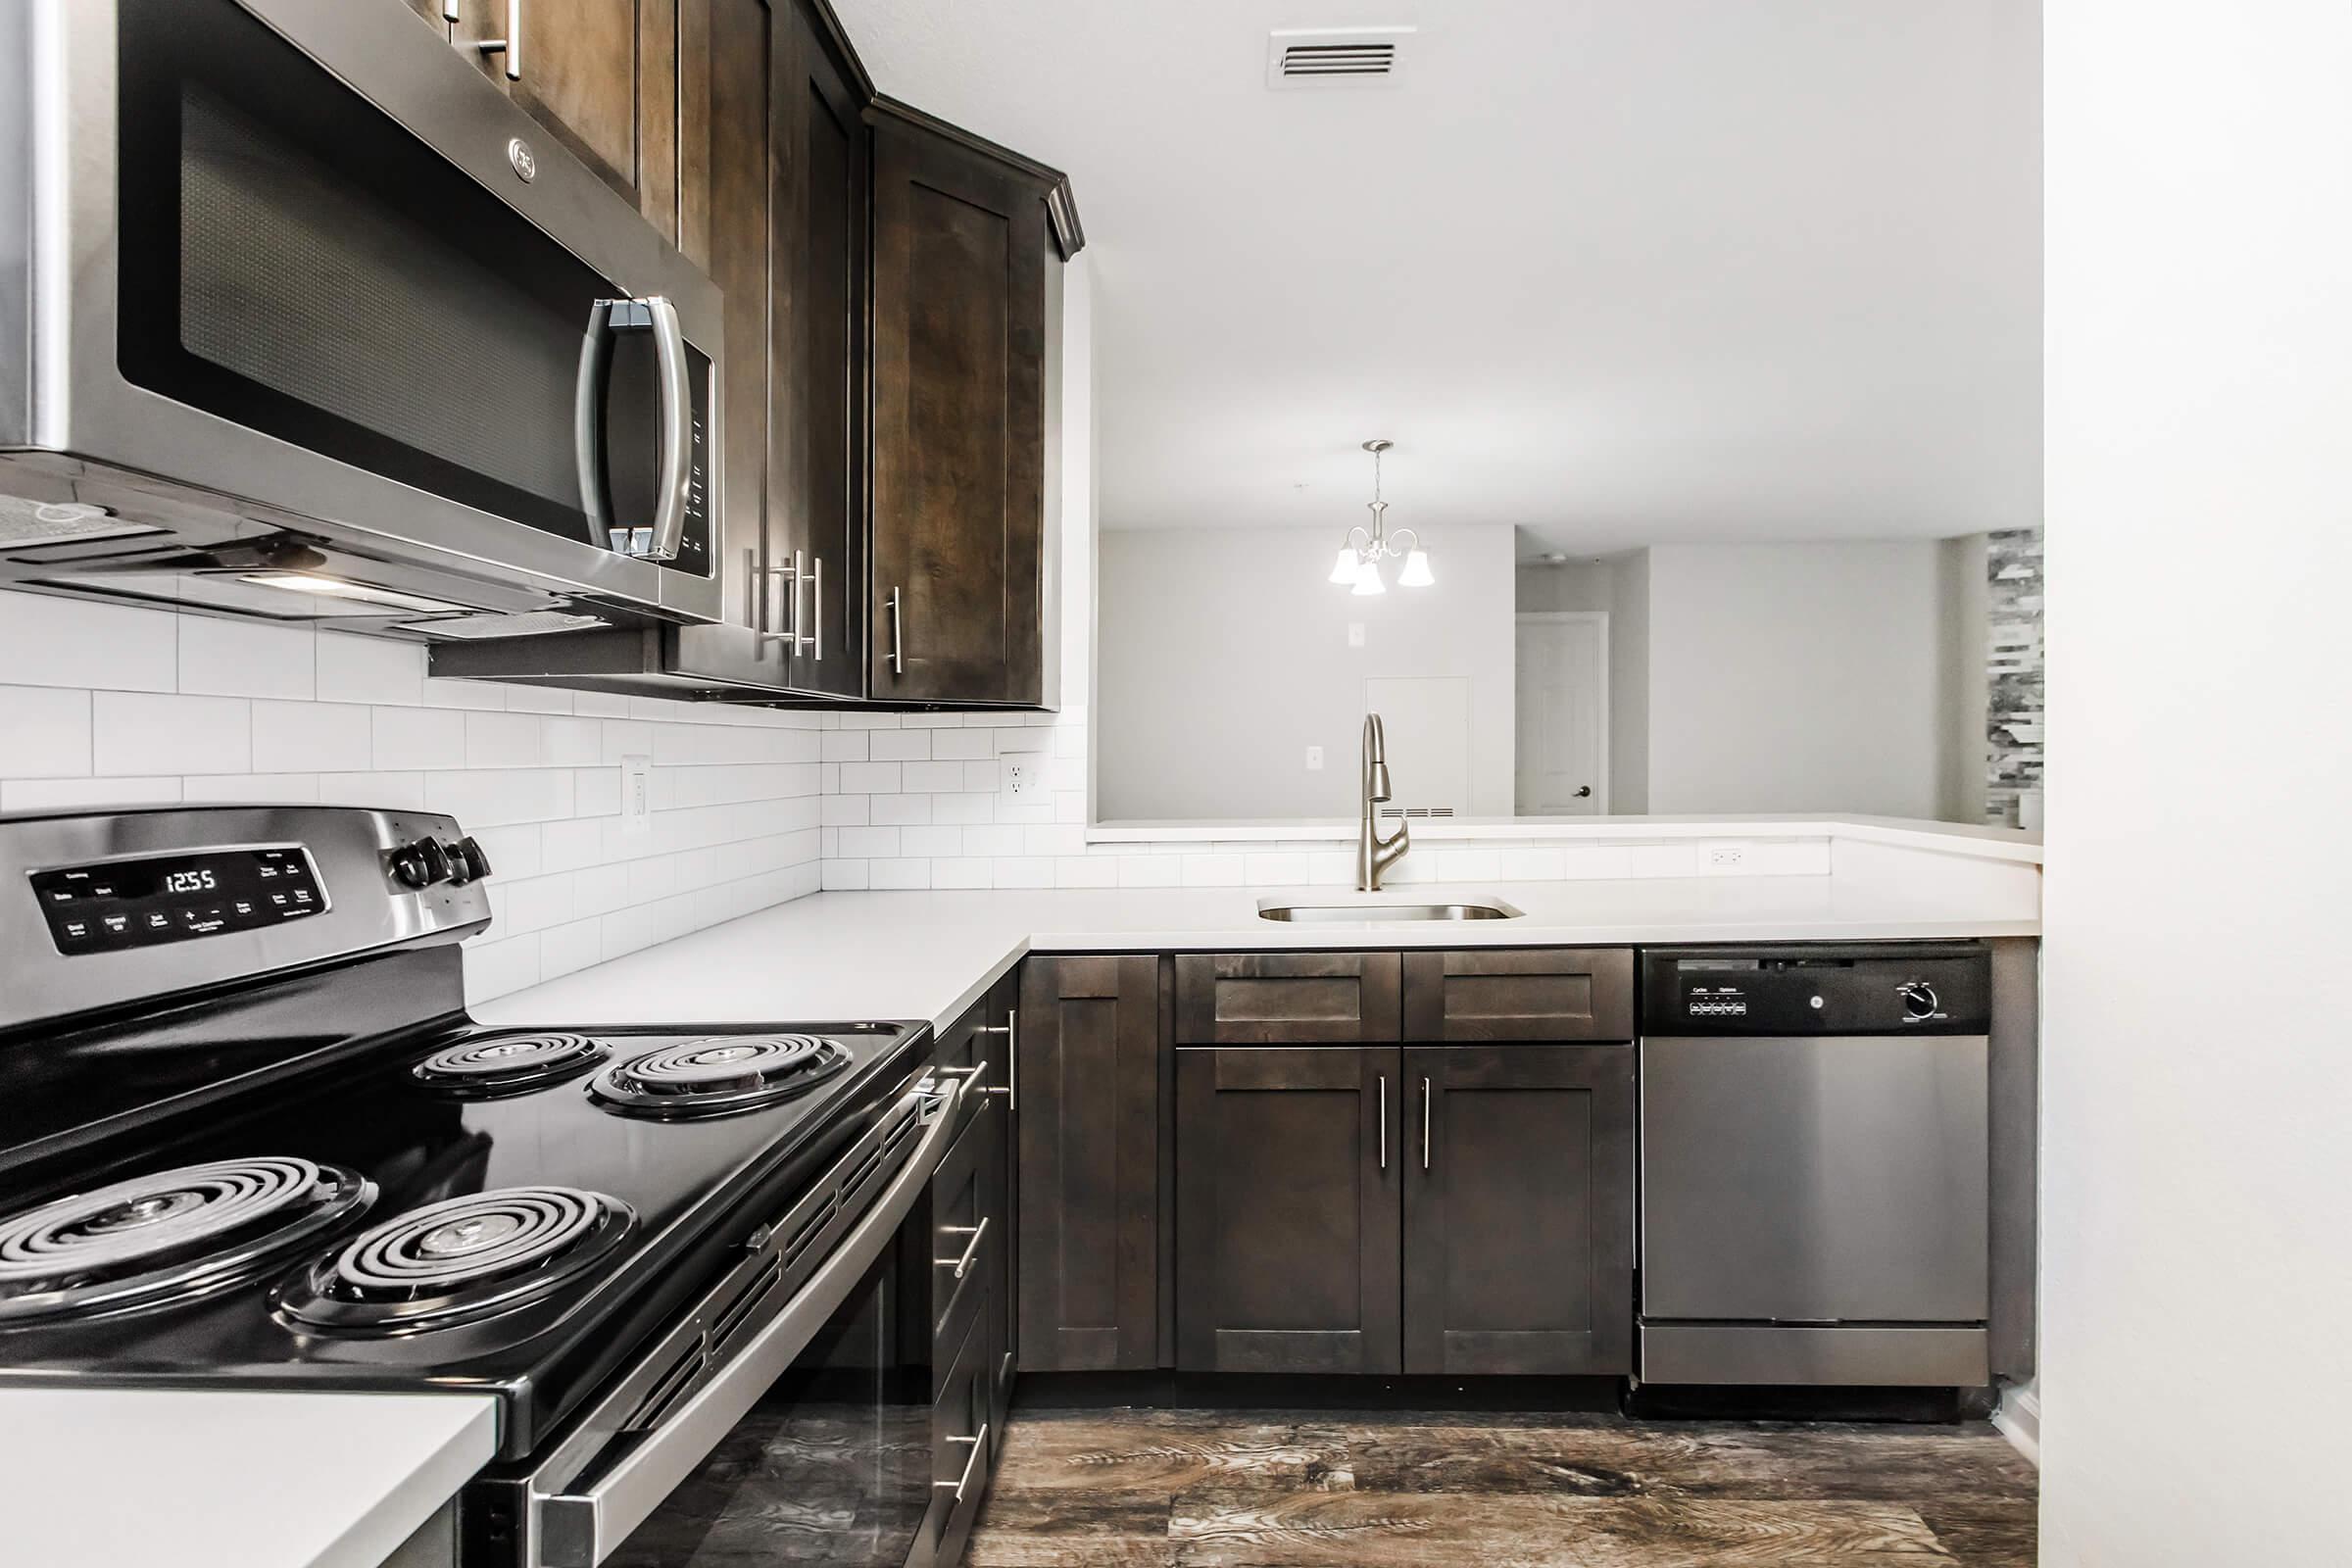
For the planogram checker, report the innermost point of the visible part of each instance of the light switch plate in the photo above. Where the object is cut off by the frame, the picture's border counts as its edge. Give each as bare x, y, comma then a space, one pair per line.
1355, 634
636, 794
1314, 758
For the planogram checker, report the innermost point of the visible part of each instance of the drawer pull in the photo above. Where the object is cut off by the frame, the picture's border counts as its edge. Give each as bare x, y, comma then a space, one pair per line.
1384, 1121
979, 1443
963, 1266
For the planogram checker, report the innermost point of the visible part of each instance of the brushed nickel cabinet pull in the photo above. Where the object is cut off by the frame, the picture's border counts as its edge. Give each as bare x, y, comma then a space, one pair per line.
898, 633
817, 600
1384, 1121
963, 1265
1427, 1095
510, 45
979, 1443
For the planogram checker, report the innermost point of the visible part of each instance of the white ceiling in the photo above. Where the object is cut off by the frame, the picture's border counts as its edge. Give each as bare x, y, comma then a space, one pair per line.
1611, 270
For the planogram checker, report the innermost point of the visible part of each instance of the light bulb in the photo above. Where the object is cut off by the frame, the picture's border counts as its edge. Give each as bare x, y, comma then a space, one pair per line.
1344, 570
1367, 581
1416, 571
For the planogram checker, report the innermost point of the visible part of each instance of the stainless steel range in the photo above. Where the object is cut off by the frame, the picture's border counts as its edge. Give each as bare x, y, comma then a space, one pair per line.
253, 1139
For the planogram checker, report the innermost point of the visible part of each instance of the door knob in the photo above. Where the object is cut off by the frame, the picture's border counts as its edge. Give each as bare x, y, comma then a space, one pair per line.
1582, 790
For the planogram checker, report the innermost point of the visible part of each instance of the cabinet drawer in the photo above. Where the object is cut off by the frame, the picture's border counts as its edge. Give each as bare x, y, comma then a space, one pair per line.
1519, 994
1285, 998
967, 1229
963, 1444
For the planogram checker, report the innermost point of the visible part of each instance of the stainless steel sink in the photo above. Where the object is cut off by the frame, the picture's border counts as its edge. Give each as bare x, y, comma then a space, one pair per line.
1379, 912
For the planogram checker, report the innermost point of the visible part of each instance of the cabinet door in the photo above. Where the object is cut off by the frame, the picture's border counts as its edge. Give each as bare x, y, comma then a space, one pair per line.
816, 425
1519, 1208
1287, 1170
601, 76
1090, 1163
1524, 994
959, 424
1286, 997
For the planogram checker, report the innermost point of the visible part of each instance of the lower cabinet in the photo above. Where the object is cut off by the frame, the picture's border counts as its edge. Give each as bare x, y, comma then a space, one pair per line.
1288, 1173
1090, 1071
1448, 1210
1519, 1210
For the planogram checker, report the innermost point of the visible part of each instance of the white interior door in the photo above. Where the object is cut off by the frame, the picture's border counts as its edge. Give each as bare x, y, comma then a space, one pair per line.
1563, 685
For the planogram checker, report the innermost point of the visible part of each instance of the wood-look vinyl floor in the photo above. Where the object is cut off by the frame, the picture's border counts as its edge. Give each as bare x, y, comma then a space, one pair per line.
1211, 1489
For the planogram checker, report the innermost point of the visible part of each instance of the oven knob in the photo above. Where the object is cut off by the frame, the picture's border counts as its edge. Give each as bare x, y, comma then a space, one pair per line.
466, 862
1919, 1000
419, 864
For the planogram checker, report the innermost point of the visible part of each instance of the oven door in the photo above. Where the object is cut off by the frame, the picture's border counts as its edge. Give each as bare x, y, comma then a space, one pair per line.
306, 257
791, 1430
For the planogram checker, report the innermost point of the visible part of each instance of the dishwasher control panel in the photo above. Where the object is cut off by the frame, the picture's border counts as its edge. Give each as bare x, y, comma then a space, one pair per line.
1812, 989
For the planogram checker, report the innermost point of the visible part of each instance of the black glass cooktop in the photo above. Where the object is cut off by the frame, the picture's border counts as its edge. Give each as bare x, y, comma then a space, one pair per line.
633, 1213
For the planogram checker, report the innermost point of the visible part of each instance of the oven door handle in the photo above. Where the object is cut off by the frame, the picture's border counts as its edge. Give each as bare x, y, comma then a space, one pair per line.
580, 1528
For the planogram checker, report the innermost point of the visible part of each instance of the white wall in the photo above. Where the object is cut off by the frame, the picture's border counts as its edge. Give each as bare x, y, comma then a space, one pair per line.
1967, 687
2197, 1073
122, 706
1629, 684
1224, 656
1797, 677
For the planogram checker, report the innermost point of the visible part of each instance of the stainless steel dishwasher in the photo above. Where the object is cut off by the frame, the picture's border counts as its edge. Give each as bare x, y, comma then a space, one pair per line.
1814, 1165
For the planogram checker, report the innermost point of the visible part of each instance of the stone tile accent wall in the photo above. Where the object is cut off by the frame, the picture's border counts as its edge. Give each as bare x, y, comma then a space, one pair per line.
2013, 667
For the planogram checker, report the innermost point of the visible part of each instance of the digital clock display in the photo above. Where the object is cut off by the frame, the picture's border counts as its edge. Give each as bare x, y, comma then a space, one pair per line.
113, 905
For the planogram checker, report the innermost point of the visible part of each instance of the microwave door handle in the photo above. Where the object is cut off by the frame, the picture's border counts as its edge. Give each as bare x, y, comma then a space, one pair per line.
587, 420
581, 1527
677, 430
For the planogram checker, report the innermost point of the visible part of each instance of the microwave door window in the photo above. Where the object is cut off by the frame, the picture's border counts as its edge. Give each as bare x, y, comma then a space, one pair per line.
380, 308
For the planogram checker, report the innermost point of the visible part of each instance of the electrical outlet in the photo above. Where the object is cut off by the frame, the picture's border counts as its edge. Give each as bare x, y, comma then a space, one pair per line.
1726, 856
636, 794
1021, 778
1314, 758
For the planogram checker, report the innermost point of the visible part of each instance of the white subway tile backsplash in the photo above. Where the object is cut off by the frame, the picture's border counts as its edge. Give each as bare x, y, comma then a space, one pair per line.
418, 737
85, 793
367, 669
44, 732
247, 658
963, 872
960, 745
921, 779
312, 737
502, 740
149, 732
390, 791
248, 789
896, 811
899, 873
180, 707
867, 843
46, 641
872, 778
899, 745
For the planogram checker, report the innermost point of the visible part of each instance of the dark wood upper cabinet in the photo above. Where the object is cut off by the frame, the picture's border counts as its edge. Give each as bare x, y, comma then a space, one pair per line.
1519, 994
604, 77
1519, 1210
816, 425
1289, 1163
1089, 1061
957, 591
1286, 997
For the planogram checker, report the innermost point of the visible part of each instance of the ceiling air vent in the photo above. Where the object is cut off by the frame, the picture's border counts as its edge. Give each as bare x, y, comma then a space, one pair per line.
1335, 57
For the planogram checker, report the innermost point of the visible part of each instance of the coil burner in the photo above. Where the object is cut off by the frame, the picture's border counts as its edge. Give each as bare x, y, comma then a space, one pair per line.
168, 1235
719, 1076
458, 1261
505, 1064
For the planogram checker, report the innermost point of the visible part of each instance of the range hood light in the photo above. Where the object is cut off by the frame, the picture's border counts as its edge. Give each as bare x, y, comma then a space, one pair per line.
311, 582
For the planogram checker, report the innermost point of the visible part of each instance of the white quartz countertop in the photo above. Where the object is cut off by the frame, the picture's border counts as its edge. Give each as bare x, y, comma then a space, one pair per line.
842, 957
104, 1478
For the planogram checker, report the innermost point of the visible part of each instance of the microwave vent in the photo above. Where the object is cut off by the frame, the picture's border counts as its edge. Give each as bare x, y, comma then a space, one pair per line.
530, 623
1335, 57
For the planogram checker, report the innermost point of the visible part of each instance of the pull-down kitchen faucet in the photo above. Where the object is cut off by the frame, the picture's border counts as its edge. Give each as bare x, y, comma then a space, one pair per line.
1374, 853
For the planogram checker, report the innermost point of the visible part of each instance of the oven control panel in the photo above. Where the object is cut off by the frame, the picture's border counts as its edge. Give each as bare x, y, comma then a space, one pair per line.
144, 902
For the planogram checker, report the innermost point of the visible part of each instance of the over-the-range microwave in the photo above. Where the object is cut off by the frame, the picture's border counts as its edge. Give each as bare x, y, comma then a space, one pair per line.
301, 316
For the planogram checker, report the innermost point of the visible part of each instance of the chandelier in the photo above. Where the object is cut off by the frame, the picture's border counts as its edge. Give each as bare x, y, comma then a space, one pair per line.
1359, 559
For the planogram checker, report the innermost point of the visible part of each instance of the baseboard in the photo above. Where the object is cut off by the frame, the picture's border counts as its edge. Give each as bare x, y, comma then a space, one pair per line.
2019, 1419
